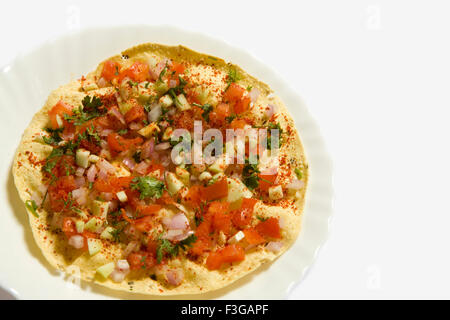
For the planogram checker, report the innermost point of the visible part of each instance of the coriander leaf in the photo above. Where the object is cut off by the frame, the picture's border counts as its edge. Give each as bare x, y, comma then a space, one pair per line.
32, 206
188, 242
231, 118
89, 110
148, 187
298, 173
207, 108
137, 156
250, 176
165, 247
233, 76
55, 137
261, 218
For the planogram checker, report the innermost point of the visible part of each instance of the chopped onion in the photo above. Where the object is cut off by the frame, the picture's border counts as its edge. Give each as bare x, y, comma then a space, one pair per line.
80, 196
36, 197
76, 241
113, 205
117, 276
106, 166
117, 114
67, 135
295, 184
178, 221
174, 276
135, 126
91, 173
131, 247
80, 181
254, 94
172, 83
122, 265
172, 234
184, 235
102, 174
162, 146
270, 110
155, 113
165, 161
106, 132
147, 149
57, 221
102, 82
274, 246
159, 67
281, 222
129, 163
141, 167
108, 196
79, 172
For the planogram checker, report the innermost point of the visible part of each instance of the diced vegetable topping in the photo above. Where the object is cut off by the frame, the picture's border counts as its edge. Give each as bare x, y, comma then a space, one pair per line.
113, 182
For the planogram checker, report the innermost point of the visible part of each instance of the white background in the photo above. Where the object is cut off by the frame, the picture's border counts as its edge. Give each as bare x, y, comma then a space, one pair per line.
375, 75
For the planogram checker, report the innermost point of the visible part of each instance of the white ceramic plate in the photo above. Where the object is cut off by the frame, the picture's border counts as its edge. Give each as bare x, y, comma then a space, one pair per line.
24, 87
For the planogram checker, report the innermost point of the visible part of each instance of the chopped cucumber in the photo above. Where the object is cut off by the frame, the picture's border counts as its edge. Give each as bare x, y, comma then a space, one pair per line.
173, 184
82, 158
182, 103
100, 208
107, 233
149, 130
80, 226
166, 101
106, 269
183, 175
237, 190
94, 246
93, 225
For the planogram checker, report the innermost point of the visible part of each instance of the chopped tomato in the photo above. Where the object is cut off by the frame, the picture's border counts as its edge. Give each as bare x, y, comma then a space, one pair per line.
135, 114
204, 228
137, 72
266, 181
59, 193
152, 246
166, 198
149, 209
238, 124
155, 167
222, 222
253, 237
222, 111
126, 217
86, 235
135, 260
216, 190
110, 70
269, 228
68, 227
217, 207
242, 105
144, 224
243, 216
194, 196
64, 165
66, 183
118, 143
199, 247
234, 93
112, 184
178, 68
230, 253
57, 113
